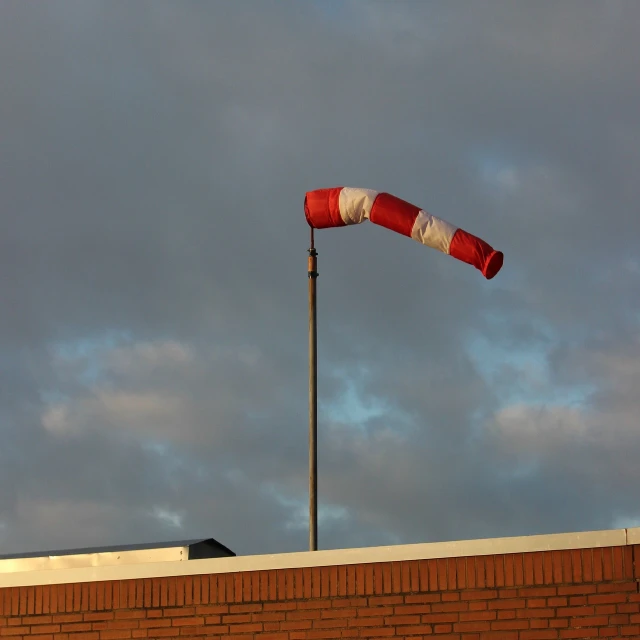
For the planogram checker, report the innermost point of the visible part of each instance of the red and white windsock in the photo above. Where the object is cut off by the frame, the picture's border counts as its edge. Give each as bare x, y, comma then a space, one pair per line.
340, 206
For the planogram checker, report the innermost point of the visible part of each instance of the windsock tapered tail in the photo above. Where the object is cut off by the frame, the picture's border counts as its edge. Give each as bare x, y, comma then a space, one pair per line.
340, 206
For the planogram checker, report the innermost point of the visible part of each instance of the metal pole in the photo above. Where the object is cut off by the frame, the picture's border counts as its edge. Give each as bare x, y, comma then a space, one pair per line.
313, 400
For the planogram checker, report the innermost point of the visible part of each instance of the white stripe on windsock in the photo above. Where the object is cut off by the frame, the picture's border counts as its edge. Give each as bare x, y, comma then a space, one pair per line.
355, 204
433, 232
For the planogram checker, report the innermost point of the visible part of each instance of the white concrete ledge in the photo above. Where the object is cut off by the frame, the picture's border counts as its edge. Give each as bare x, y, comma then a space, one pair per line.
491, 546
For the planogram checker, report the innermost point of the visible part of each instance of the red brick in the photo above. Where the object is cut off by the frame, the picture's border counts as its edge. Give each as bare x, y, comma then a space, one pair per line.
368, 612
581, 589
342, 581
509, 571
536, 603
378, 632
472, 626
249, 627
226, 587
391, 600
539, 623
576, 565
489, 571
166, 633
410, 609
434, 618
556, 557
618, 563
528, 568
78, 617
471, 616
518, 603
75, 627
509, 624
607, 609
539, 634
351, 580
128, 614
14, 631
368, 579
537, 592
326, 604
211, 609
611, 598
370, 621
481, 581
575, 611
518, 569
598, 562
547, 567
607, 563
238, 594
176, 612
255, 586
297, 586
628, 608
558, 623
184, 622
636, 561
587, 565
567, 566
446, 607
461, 573
591, 621
47, 628
411, 630
433, 575
155, 623
114, 634
498, 563
535, 613
578, 633
487, 594
243, 608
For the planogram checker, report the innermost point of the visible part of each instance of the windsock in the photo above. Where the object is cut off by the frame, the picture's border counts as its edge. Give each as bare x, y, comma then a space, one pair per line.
340, 206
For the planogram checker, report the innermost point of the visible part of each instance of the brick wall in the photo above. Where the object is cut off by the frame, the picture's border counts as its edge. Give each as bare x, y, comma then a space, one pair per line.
585, 593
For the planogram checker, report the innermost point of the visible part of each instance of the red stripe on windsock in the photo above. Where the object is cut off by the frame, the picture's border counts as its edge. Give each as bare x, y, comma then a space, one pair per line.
476, 252
322, 208
395, 214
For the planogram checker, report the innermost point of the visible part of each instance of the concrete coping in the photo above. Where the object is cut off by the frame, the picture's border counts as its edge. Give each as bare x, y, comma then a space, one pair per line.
305, 559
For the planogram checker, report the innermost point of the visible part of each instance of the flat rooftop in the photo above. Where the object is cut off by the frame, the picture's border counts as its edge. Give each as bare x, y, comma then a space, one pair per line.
365, 555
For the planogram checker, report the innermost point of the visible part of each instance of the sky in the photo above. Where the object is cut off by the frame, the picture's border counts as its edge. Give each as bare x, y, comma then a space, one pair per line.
154, 158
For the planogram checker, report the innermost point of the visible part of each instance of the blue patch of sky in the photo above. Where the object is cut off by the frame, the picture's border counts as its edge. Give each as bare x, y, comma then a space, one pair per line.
330, 9
298, 509
90, 352
357, 408
535, 387
497, 163
352, 408
625, 522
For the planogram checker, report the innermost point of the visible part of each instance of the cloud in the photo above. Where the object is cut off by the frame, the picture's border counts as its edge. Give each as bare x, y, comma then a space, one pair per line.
153, 256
